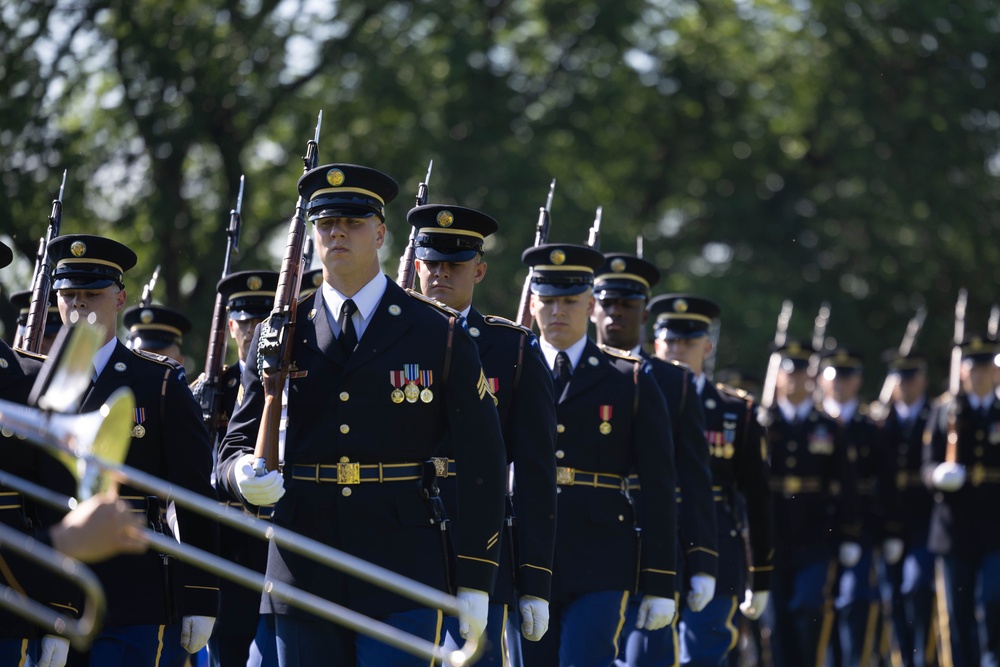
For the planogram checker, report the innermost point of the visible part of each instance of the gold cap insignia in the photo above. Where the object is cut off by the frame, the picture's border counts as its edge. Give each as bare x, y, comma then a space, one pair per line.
318, 279
794, 348
445, 218
976, 344
335, 177
79, 248
680, 306
255, 282
842, 358
618, 265
557, 257
146, 316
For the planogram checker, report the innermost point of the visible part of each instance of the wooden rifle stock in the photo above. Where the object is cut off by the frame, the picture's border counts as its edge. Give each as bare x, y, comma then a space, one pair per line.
209, 396
541, 237
274, 344
955, 378
41, 283
404, 275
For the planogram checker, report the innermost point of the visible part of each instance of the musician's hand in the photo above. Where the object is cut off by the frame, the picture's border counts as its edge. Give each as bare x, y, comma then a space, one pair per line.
55, 651
195, 631
264, 490
100, 527
474, 609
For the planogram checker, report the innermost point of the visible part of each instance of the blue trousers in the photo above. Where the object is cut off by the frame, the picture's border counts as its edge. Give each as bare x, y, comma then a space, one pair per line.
972, 644
707, 636
645, 648
264, 649
304, 642
858, 612
128, 645
801, 612
19, 652
910, 585
583, 632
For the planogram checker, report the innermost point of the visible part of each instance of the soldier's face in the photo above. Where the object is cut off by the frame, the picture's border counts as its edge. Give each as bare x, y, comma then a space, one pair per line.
796, 386
562, 319
619, 321
104, 304
690, 351
242, 332
911, 387
348, 245
451, 282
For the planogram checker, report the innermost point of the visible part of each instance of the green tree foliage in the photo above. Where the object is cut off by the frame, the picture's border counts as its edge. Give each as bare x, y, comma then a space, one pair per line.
812, 150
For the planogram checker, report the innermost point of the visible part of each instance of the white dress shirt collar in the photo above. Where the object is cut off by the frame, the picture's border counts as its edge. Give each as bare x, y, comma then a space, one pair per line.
366, 300
574, 352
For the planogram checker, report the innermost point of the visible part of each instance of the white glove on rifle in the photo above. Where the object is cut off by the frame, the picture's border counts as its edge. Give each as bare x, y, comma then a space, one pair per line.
655, 612
892, 550
850, 554
534, 617
55, 651
702, 591
195, 631
474, 609
264, 490
755, 604
948, 476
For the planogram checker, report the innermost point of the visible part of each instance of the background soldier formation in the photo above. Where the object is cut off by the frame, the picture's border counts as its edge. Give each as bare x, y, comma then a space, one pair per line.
603, 500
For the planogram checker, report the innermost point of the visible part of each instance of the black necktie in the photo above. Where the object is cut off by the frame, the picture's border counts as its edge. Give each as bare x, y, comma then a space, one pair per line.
348, 336
562, 372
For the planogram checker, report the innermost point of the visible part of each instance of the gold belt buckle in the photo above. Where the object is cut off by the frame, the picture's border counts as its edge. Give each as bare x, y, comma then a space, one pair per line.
348, 473
440, 465
792, 485
564, 476
978, 474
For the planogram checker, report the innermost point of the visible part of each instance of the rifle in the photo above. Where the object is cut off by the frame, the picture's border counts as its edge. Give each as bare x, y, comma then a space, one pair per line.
274, 344
993, 325
594, 239
41, 282
774, 362
209, 396
955, 377
913, 328
541, 236
307, 252
638, 246
147, 291
404, 275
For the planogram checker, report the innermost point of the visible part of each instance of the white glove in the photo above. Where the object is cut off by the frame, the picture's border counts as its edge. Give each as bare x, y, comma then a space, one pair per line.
755, 604
702, 591
892, 550
195, 631
534, 617
655, 612
474, 609
264, 490
948, 476
850, 554
55, 651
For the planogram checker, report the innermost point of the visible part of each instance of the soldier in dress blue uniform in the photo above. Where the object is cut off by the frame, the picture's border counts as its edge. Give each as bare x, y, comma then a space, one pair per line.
621, 288
382, 381
449, 261
965, 480
909, 564
157, 607
157, 329
858, 601
740, 479
249, 297
612, 422
815, 514
53, 323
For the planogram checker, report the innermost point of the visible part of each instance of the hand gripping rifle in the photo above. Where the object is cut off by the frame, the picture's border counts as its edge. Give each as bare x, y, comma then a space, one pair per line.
541, 236
955, 377
774, 362
404, 275
41, 282
209, 396
913, 328
274, 345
